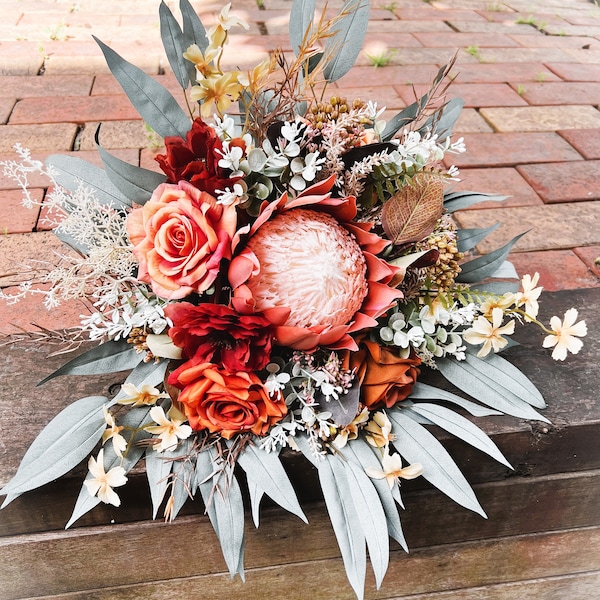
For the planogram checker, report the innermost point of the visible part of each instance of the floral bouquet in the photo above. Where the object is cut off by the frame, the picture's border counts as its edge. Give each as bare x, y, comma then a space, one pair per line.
287, 283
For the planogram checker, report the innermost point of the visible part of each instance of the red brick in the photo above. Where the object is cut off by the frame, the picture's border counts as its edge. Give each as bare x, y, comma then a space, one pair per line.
383, 95
590, 255
508, 149
585, 141
575, 72
433, 13
6, 106
73, 109
564, 182
504, 27
55, 136
390, 75
391, 40
554, 41
525, 55
14, 217
19, 86
501, 73
147, 158
463, 40
500, 181
558, 269
562, 93
20, 58
475, 95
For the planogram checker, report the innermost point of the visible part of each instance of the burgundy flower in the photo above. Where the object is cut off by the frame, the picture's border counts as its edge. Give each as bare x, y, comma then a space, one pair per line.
196, 159
217, 334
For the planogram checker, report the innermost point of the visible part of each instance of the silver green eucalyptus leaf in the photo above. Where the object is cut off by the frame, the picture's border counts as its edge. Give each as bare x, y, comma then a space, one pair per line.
135, 183
417, 445
60, 446
422, 391
442, 121
154, 103
133, 421
110, 357
158, 471
469, 238
173, 42
454, 201
460, 427
184, 476
302, 15
485, 266
193, 30
345, 521
265, 470
71, 173
255, 494
343, 47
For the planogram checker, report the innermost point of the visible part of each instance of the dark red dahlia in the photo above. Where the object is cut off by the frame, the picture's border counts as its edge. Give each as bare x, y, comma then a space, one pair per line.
215, 333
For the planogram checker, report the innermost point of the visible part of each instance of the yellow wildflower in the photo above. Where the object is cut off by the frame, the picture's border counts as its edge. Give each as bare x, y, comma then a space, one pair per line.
218, 91
203, 62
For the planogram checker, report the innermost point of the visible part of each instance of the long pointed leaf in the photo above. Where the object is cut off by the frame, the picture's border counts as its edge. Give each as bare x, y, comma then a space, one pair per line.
71, 172
172, 38
267, 472
158, 468
302, 16
344, 520
442, 121
422, 391
492, 384
193, 30
480, 268
135, 183
460, 427
469, 238
184, 477
460, 200
109, 357
154, 103
255, 494
418, 445
342, 48
60, 446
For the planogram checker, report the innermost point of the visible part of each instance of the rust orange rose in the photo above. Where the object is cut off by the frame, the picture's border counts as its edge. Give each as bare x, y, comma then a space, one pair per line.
385, 377
180, 237
226, 402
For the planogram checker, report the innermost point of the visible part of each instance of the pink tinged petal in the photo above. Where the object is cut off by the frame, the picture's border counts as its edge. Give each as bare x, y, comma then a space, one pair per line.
242, 267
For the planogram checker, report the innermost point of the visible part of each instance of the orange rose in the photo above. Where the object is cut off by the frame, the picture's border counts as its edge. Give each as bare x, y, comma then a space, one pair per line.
179, 238
385, 377
226, 402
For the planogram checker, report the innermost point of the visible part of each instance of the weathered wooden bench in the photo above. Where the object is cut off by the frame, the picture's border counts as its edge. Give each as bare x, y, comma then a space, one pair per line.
541, 540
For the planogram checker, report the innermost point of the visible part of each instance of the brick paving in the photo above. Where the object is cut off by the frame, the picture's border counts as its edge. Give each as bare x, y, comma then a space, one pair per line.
529, 71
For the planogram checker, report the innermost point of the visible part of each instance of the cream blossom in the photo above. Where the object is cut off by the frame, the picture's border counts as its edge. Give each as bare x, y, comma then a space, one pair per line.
529, 296
169, 431
102, 483
146, 395
114, 432
501, 302
565, 336
380, 430
393, 469
350, 432
489, 334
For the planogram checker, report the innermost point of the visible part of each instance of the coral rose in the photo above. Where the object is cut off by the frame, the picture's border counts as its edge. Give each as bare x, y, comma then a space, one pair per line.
179, 238
385, 377
226, 402
196, 159
217, 334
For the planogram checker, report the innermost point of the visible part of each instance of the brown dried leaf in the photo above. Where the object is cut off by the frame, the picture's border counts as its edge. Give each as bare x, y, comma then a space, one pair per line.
411, 213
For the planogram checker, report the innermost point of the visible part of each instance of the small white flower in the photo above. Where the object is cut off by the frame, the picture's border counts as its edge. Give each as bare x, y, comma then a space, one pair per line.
102, 483
565, 336
169, 431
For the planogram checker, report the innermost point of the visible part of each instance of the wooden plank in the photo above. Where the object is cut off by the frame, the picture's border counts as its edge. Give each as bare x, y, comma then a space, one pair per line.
439, 569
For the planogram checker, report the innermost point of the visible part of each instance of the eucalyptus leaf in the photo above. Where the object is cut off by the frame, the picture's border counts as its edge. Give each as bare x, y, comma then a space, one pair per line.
454, 201
110, 357
60, 446
442, 121
255, 494
135, 183
422, 391
345, 521
460, 427
494, 382
497, 288
469, 238
343, 47
154, 103
72, 172
173, 42
158, 470
184, 476
133, 421
302, 15
485, 266
371, 518
304, 446
265, 470
193, 30
505, 271
417, 445
361, 452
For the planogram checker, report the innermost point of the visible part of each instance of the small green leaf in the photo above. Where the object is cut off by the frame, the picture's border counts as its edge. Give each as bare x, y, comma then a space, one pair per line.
135, 183
454, 201
343, 47
71, 172
460, 427
485, 266
60, 446
494, 382
469, 238
154, 103
109, 357
172, 38
417, 445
